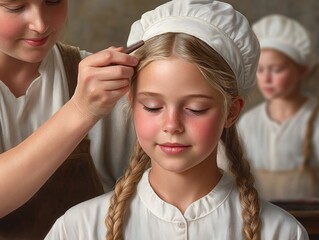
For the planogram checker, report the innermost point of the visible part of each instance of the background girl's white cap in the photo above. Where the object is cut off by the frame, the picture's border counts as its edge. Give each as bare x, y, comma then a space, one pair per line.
285, 35
216, 23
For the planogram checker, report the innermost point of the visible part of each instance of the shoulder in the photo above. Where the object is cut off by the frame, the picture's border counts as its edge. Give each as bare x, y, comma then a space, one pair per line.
279, 224
253, 113
62, 47
83, 221
91, 207
252, 119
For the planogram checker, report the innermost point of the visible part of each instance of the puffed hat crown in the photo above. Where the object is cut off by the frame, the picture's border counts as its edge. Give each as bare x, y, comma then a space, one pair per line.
216, 23
285, 35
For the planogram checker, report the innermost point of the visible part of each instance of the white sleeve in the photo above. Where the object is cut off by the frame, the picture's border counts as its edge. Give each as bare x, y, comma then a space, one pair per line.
301, 233
57, 232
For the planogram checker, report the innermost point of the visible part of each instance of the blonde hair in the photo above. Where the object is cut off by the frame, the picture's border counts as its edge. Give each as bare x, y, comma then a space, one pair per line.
308, 144
219, 75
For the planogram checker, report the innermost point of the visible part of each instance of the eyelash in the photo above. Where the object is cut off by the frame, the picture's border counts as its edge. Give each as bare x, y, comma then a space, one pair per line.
20, 8
153, 110
195, 112
53, 2
14, 9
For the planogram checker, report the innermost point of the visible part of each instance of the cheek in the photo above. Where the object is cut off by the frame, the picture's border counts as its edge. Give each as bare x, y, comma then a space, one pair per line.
10, 27
285, 83
145, 126
208, 130
286, 79
59, 17
62, 16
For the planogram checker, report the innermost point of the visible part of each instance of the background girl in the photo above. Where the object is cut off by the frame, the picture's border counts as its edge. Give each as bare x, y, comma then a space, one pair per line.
281, 135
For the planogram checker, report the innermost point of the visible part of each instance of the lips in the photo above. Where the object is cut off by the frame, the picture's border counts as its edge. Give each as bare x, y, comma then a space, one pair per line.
36, 42
267, 89
173, 148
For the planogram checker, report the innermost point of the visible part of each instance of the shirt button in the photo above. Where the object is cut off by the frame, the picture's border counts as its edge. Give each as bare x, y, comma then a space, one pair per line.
181, 225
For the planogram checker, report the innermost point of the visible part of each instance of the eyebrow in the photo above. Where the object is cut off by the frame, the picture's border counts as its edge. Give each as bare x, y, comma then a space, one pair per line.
152, 94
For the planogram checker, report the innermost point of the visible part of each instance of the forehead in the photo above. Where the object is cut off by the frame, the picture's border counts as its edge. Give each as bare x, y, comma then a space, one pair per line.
173, 76
273, 55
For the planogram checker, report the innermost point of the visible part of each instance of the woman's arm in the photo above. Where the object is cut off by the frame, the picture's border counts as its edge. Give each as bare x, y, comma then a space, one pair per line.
103, 79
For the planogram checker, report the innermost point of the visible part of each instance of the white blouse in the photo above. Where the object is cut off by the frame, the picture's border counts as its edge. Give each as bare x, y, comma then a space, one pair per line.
273, 146
111, 138
215, 216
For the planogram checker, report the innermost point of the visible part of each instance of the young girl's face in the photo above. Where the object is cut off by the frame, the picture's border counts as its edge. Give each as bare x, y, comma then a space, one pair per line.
29, 28
178, 116
277, 75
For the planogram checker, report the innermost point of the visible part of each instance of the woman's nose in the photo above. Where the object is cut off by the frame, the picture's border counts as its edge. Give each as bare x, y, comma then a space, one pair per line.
38, 21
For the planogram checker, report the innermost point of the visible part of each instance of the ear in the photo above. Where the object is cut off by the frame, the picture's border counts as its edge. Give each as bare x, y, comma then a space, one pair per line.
234, 111
303, 70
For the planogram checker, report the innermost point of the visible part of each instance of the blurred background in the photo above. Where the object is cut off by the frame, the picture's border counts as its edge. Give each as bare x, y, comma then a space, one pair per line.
97, 24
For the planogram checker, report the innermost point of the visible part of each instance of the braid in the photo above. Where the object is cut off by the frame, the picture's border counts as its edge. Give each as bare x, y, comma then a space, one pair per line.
124, 189
307, 146
245, 181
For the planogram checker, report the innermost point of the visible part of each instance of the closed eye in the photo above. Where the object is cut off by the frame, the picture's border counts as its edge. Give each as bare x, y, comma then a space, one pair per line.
53, 2
152, 109
14, 9
197, 112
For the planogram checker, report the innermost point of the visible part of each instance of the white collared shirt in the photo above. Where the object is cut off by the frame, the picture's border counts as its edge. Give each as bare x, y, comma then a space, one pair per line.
273, 146
215, 216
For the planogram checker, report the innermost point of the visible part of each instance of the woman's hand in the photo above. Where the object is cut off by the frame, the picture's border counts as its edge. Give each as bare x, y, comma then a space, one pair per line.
103, 79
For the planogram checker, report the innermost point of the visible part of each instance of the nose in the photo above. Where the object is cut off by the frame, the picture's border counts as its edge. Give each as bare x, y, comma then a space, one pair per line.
173, 123
38, 21
264, 76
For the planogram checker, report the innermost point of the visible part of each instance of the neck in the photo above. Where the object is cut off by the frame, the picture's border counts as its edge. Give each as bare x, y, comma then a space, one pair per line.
17, 75
182, 189
282, 109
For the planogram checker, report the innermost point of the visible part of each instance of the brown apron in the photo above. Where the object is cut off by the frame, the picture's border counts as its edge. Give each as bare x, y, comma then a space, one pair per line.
297, 184
74, 182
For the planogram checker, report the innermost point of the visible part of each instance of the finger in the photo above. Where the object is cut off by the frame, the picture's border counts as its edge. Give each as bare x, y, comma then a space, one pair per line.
110, 73
112, 96
114, 85
110, 57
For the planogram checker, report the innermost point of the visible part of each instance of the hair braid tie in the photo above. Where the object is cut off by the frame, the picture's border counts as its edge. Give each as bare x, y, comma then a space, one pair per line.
308, 146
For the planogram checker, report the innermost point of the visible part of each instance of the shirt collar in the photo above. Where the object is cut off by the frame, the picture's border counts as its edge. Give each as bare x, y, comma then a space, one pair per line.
197, 209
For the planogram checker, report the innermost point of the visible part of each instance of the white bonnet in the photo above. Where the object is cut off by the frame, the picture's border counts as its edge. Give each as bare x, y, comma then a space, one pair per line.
216, 23
285, 35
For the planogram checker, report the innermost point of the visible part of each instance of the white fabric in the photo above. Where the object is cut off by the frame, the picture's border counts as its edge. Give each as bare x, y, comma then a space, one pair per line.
273, 146
285, 35
215, 216
111, 138
216, 23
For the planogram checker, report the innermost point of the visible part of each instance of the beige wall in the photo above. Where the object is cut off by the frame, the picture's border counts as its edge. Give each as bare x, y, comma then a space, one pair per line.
97, 24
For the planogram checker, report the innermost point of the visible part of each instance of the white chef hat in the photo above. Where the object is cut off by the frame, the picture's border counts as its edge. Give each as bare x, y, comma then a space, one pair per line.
285, 35
216, 23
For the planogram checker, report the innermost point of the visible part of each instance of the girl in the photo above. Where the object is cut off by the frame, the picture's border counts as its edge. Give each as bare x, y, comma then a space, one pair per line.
38, 77
186, 95
281, 135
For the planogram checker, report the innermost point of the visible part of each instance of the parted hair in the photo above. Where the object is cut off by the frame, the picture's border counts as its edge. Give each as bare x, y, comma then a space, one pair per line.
218, 73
